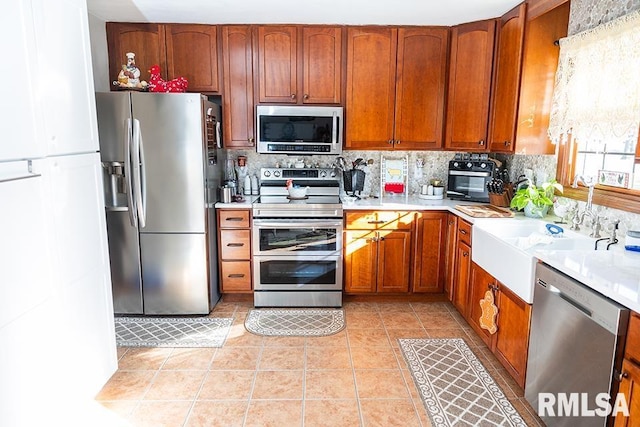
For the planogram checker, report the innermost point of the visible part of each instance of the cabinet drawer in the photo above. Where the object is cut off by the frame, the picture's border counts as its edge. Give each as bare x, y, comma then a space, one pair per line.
390, 220
464, 232
235, 276
235, 244
233, 219
632, 349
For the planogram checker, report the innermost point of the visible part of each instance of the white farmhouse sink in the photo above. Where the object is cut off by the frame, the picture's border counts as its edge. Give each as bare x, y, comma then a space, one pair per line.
506, 249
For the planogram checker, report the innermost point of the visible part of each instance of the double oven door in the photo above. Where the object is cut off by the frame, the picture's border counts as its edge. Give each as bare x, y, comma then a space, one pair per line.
297, 254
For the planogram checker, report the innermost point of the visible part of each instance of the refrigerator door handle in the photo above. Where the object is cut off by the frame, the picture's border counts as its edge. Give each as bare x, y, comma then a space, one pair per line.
128, 175
139, 183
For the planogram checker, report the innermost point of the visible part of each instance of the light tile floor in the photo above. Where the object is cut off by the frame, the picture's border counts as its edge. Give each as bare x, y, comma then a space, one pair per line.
357, 377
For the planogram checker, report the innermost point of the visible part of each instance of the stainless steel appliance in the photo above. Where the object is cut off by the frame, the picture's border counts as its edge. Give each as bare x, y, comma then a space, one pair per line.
160, 159
575, 345
467, 179
299, 129
297, 243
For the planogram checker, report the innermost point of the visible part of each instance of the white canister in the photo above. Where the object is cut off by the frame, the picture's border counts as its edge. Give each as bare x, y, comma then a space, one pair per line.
430, 190
255, 187
247, 185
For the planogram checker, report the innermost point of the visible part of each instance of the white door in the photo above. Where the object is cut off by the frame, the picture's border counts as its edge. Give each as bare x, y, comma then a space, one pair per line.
65, 76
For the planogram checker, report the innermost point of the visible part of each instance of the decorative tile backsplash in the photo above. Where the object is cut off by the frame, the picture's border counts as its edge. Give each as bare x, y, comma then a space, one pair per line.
588, 14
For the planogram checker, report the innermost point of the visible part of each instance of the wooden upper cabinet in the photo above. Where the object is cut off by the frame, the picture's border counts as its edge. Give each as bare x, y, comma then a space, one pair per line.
299, 65
371, 79
539, 67
506, 80
420, 87
470, 69
277, 64
147, 41
237, 99
192, 52
321, 65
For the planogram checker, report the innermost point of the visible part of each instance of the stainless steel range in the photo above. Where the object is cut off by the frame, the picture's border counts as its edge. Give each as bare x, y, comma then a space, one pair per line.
297, 243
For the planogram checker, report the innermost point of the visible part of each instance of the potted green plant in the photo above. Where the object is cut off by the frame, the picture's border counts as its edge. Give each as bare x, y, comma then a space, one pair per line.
536, 200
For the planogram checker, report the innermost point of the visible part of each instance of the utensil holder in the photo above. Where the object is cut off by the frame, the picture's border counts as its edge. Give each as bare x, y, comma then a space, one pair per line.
502, 200
353, 180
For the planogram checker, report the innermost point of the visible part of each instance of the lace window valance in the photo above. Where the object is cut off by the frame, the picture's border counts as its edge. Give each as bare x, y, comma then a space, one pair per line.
596, 98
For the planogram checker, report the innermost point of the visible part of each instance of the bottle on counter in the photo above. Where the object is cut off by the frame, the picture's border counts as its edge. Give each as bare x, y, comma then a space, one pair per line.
247, 185
255, 187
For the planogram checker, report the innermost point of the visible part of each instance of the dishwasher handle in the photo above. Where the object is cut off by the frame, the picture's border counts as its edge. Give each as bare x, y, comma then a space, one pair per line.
565, 297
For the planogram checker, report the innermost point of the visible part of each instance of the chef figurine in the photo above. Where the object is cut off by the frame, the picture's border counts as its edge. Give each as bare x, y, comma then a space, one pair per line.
130, 74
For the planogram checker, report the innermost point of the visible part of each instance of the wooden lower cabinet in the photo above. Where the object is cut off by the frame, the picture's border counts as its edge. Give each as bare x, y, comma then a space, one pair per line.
234, 250
510, 341
461, 280
376, 261
630, 377
429, 264
450, 255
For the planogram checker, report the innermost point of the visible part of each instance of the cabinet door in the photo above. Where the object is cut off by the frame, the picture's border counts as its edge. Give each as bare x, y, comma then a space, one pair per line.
147, 41
461, 282
420, 87
511, 343
429, 265
371, 77
630, 388
506, 81
192, 52
277, 64
237, 66
450, 257
469, 85
480, 282
360, 259
321, 65
394, 255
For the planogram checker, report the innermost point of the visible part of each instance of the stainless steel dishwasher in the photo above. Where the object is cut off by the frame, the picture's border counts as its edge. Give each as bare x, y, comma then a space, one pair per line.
577, 336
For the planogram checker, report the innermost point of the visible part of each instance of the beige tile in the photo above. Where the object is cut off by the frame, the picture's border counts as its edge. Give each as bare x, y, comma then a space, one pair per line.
447, 333
227, 385
120, 351
331, 413
430, 307
235, 358
362, 320
281, 358
239, 337
127, 385
278, 385
394, 307
381, 384
396, 320
119, 408
368, 337
144, 358
284, 341
328, 358
528, 414
335, 340
438, 320
360, 306
373, 357
389, 413
161, 414
175, 385
395, 334
330, 384
274, 413
189, 359
208, 413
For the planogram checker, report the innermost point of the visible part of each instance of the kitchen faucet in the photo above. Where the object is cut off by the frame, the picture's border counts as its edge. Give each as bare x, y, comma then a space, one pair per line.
578, 219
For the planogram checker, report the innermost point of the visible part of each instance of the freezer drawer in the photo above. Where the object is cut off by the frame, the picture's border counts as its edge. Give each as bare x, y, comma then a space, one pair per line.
124, 252
174, 273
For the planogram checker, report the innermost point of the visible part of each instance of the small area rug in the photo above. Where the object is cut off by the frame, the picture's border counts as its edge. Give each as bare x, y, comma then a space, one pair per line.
454, 386
171, 332
295, 322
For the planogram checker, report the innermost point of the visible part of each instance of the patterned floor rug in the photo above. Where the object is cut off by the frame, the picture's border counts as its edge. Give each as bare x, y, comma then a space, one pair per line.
295, 322
455, 388
171, 332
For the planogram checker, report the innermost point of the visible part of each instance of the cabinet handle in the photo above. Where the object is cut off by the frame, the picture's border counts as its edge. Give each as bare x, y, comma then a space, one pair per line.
507, 143
390, 141
378, 221
251, 140
234, 218
236, 276
293, 96
465, 254
381, 238
235, 245
305, 96
397, 142
451, 222
463, 232
493, 287
481, 143
623, 375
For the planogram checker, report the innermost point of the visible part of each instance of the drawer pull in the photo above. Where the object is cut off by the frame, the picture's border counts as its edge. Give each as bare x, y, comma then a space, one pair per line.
234, 218
235, 245
379, 221
465, 254
463, 232
236, 276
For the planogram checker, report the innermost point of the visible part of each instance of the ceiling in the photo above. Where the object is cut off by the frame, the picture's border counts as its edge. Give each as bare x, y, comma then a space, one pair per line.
346, 12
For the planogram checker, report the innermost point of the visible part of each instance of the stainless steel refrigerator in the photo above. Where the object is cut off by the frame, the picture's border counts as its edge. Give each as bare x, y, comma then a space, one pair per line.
161, 169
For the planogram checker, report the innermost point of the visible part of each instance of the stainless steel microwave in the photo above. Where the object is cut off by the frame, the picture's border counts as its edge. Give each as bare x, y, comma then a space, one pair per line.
299, 129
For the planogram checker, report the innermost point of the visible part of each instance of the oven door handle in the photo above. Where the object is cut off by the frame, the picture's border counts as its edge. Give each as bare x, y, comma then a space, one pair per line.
291, 223
468, 173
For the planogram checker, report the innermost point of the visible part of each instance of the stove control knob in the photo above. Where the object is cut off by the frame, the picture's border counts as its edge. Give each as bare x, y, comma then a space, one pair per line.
483, 165
323, 174
469, 164
333, 174
276, 174
456, 164
267, 174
